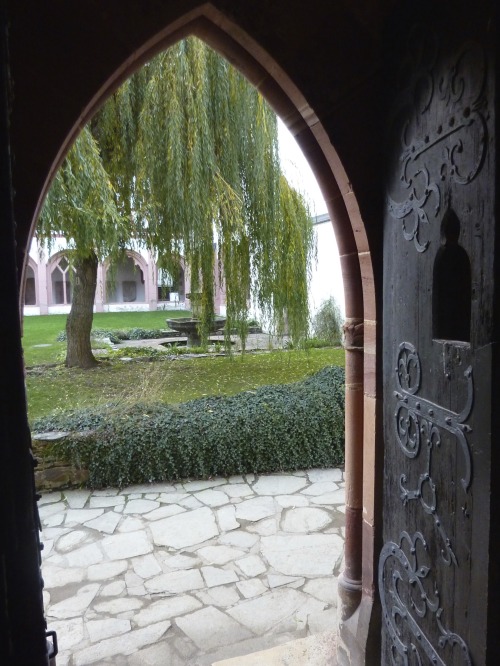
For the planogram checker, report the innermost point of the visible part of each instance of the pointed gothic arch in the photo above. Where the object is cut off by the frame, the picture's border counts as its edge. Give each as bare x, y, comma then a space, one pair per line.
31, 287
226, 36
130, 284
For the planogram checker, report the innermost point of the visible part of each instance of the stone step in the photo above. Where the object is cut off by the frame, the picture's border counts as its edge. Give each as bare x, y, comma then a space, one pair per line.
316, 650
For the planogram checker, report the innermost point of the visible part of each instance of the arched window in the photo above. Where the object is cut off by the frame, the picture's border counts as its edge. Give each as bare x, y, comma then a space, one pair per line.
451, 298
61, 282
30, 286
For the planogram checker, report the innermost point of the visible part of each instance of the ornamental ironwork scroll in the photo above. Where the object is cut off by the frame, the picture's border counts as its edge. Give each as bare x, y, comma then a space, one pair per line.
419, 423
407, 591
453, 147
408, 597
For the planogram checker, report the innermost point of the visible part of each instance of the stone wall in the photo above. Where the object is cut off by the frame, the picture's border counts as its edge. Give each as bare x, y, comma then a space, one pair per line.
52, 473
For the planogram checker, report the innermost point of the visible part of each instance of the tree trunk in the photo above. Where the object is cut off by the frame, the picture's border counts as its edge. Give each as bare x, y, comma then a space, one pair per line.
79, 322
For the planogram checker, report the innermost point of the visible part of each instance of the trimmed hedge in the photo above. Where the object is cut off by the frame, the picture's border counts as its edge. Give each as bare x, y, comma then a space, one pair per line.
273, 428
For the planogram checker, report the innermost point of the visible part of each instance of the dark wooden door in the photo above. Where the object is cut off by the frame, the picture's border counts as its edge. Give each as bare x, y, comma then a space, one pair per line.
438, 299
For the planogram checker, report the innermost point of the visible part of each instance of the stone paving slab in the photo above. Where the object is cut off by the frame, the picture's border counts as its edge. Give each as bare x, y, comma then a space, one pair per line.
313, 651
186, 574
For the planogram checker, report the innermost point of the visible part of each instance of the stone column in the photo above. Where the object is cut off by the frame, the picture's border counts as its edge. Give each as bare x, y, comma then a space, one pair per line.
151, 282
99, 292
42, 285
350, 584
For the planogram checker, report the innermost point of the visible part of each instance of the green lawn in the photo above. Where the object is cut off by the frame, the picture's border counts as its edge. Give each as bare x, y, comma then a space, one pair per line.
43, 330
172, 381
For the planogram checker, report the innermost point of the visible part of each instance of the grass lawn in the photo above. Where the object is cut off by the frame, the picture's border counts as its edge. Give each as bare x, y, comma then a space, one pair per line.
43, 330
171, 381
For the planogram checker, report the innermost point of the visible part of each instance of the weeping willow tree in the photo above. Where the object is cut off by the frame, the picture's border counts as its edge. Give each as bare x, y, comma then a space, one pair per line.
81, 206
190, 149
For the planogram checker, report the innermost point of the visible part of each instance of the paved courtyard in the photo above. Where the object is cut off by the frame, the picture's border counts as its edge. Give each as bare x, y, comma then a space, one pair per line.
191, 573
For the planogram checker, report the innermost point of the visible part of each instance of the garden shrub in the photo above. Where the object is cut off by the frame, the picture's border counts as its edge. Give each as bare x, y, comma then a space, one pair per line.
115, 335
308, 343
269, 429
144, 353
316, 343
145, 333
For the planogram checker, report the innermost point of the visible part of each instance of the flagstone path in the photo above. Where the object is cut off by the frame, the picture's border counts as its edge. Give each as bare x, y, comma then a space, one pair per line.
190, 573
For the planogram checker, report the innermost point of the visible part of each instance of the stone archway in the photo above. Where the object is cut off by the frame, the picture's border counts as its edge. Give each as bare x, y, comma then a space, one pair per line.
257, 64
31, 286
134, 268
